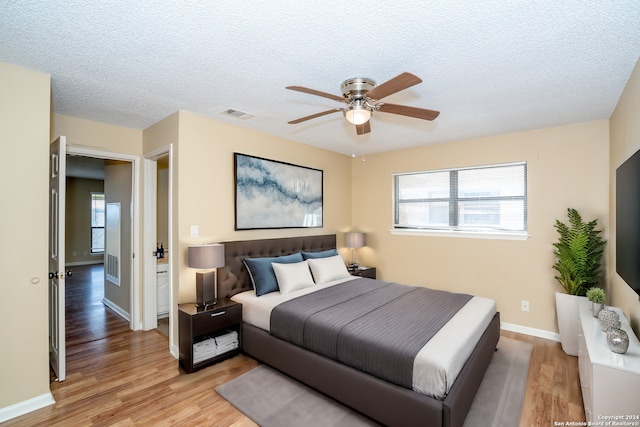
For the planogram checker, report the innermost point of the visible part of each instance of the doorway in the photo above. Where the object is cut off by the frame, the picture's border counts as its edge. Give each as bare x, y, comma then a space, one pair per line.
163, 278
99, 224
59, 152
158, 230
121, 176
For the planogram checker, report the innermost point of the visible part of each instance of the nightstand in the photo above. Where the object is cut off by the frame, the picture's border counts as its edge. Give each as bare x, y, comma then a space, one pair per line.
364, 271
208, 336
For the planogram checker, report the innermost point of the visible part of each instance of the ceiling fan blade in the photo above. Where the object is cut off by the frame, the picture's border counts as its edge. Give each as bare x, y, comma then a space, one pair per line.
313, 116
316, 92
405, 110
396, 84
363, 128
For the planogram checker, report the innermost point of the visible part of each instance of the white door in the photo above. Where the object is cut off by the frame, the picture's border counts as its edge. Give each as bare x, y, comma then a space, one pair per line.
57, 182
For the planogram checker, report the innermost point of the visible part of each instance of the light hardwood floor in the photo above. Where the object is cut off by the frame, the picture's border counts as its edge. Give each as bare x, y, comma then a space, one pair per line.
117, 377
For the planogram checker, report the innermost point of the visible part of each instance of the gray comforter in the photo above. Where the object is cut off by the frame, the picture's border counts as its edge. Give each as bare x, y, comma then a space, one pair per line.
377, 327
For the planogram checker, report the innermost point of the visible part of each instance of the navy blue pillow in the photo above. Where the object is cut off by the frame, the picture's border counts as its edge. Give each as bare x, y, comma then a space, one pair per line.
262, 274
321, 254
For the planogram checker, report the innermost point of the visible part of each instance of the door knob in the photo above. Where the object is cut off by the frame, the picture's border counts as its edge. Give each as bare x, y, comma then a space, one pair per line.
53, 275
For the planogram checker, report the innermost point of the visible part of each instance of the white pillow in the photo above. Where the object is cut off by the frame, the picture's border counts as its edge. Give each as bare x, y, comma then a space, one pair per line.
327, 269
292, 277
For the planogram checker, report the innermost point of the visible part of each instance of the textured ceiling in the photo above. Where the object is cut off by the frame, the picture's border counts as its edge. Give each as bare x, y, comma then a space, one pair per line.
490, 67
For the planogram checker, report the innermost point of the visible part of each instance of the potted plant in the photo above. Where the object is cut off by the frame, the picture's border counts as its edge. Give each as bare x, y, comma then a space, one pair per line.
578, 253
596, 296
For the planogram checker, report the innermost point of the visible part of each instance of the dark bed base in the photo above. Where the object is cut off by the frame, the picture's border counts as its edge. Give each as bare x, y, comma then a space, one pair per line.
382, 401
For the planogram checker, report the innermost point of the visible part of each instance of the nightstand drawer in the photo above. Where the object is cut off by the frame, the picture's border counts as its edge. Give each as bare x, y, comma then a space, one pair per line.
216, 319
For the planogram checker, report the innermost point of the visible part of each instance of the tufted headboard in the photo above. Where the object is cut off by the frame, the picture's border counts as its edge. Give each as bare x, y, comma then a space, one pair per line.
234, 278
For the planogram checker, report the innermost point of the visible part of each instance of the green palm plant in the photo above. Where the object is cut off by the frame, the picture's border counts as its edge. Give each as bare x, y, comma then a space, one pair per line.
578, 254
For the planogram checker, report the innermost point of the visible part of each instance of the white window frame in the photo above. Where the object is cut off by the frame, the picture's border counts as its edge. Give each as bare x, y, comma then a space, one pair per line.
96, 252
452, 231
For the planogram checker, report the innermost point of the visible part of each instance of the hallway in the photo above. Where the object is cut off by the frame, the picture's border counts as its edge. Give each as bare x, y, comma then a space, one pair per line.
87, 318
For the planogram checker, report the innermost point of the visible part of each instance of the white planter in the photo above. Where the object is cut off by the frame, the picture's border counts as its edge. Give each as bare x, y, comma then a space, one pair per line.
568, 318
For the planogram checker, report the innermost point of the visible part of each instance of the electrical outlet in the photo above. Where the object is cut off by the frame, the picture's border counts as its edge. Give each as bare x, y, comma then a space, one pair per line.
524, 305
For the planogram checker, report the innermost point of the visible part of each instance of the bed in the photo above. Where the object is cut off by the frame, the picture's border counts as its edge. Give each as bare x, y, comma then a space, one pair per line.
380, 400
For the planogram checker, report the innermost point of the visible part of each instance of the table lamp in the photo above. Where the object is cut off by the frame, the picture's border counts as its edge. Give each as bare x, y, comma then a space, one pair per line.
206, 257
354, 240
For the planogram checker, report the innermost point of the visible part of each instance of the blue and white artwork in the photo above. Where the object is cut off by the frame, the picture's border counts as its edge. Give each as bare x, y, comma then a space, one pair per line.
272, 194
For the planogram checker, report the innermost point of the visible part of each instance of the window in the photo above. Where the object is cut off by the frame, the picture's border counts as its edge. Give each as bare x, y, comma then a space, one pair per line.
97, 223
488, 198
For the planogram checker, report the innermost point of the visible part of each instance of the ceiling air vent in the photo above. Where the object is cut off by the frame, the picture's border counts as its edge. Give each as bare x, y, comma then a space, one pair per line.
243, 115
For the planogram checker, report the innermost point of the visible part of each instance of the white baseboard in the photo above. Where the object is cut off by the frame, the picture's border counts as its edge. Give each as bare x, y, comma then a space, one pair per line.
26, 406
530, 331
119, 311
174, 351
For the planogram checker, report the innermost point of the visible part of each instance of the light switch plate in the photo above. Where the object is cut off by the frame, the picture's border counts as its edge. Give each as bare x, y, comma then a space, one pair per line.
194, 231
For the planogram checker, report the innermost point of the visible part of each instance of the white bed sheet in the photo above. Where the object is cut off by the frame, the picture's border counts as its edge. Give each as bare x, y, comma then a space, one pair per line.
436, 365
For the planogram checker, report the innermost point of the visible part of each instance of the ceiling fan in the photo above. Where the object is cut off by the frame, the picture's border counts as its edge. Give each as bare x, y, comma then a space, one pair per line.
362, 97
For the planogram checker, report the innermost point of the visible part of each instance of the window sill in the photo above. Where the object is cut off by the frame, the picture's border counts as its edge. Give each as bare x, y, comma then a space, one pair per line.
491, 235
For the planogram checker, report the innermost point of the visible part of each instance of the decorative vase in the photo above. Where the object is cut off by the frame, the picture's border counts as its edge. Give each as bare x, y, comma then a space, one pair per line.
596, 308
618, 340
608, 319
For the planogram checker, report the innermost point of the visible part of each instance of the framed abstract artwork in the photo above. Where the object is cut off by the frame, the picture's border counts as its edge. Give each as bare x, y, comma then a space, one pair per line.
273, 194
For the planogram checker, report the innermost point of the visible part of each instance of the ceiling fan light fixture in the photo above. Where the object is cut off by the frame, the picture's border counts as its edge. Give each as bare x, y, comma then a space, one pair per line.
362, 97
358, 113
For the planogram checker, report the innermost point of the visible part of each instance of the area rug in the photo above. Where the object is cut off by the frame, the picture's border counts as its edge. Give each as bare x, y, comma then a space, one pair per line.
272, 399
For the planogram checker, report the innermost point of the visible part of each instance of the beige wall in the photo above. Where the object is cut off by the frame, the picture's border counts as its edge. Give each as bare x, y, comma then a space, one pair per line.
566, 166
203, 184
24, 132
78, 220
161, 134
625, 140
97, 136
117, 189
206, 185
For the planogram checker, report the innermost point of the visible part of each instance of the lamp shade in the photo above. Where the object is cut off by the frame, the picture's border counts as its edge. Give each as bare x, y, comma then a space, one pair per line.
355, 240
206, 256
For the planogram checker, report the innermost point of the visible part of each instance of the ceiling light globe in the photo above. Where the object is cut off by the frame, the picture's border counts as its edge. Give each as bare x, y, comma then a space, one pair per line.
358, 116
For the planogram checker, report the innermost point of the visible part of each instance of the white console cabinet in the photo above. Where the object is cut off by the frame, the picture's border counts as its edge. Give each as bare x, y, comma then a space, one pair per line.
610, 381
